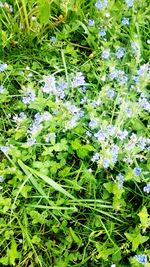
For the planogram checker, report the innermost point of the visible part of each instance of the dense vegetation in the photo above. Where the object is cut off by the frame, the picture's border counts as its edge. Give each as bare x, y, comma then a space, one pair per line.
74, 133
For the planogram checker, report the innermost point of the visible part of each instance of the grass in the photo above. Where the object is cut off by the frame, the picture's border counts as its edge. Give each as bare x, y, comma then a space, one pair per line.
74, 133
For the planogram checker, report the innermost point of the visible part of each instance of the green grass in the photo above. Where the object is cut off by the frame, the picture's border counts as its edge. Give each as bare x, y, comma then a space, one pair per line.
74, 130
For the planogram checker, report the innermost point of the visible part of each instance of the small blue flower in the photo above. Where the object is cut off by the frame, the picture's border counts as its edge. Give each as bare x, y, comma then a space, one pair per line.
136, 171
50, 84
136, 79
143, 69
113, 74
83, 100
38, 118
1, 179
111, 93
50, 137
46, 116
78, 80
88, 134
125, 21
114, 158
93, 123
61, 89
102, 32
22, 115
146, 188
121, 180
100, 135
115, 150
31, 141
83, 88
91, 22
106, 163
4, 149
3, 67
95, 157
111, 129
53, 39
129, 3
123, 79
120, 52
146, 106
101, 4
81, 113
29, 96
105, 54
1, 89
141, 258
94, 104
122, 134
62, 85
142, 143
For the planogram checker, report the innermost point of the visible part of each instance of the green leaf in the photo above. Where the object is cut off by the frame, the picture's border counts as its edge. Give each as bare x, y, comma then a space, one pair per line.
4, 261
65, 172
112, 187
116, 256
12, 253
144, 217
138, 125
44, 11
35, 239
25, 190
109, 187
136, 238
104, 251
62, 146
75, 237
82, 150
76, 144
82, 153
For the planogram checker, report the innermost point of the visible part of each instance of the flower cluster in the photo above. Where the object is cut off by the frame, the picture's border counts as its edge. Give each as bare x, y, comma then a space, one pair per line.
49, 84
100, 4
88, 115
4, 149
147, 189
1, 89
29, 96
120, 180
141, 258
79, 80
3, 67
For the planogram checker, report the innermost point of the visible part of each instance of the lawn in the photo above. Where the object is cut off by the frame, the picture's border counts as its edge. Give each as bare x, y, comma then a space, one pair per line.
74, 133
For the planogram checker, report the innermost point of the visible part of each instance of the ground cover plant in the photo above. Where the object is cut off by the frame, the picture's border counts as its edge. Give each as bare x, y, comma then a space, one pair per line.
74, 133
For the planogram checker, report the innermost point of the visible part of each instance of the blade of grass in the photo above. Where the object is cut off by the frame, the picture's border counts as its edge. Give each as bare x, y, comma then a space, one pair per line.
47, 179
93, 204
93, 200
33, 181
109, 237
24, 229
52, 207
64, 63
25, 14
20, 189
20, 13
107, 214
